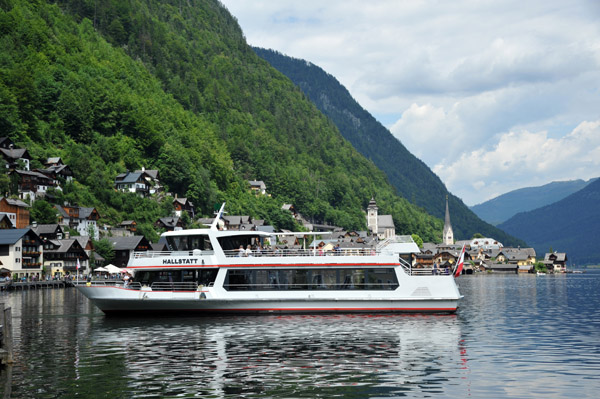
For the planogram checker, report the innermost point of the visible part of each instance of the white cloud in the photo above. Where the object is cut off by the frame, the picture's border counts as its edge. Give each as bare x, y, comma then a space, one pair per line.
455, 76
521, 159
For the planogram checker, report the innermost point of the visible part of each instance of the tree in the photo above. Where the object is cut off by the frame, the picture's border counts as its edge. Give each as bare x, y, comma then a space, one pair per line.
418, 240
105, 249
42, 212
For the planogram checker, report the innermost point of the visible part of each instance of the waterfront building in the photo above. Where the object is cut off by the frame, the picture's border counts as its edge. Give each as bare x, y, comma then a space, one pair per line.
61, 257
556, 262
21, 252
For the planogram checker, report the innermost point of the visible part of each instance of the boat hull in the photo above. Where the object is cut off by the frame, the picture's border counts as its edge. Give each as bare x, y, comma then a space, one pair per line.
119, 301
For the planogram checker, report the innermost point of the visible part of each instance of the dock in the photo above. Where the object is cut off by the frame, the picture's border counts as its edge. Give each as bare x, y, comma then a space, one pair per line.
34, 285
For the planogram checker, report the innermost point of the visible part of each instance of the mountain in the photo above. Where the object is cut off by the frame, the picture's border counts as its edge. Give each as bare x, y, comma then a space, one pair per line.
571, 225
172, 85
408, 174
503, 207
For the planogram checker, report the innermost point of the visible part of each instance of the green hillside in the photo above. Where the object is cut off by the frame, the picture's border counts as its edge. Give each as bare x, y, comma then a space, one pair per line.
171, 85
411, 177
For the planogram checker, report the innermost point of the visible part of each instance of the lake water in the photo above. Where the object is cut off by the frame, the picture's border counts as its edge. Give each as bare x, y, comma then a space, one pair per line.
513, 337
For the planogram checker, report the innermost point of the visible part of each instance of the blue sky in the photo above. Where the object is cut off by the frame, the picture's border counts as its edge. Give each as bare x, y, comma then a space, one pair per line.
491, 95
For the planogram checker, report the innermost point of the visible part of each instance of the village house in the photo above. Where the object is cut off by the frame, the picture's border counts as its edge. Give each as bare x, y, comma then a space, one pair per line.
556, 262
48, 231
152, 177
17, 211
21, 252
14, 158
79, 218
258, 187
133, 182
61, 257
5, 222
57, 171
181, 205
524, 258
124, 248
31, 184
169, 223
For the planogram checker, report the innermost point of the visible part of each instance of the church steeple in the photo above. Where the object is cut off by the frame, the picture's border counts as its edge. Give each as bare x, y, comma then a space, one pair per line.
448, 234
372, 216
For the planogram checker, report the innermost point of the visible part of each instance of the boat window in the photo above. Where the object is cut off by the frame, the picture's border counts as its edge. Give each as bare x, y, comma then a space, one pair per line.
311, 279
199, 276
189, 243
230, 243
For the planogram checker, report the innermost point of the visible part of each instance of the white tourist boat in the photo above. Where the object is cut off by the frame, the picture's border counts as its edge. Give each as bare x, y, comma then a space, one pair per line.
204, 272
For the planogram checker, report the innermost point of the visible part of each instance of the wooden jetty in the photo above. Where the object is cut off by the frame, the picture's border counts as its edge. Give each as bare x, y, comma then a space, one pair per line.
33, 285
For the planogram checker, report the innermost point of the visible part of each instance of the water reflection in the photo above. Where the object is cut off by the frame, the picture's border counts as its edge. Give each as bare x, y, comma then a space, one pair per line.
301, 356
81, 352
514, 336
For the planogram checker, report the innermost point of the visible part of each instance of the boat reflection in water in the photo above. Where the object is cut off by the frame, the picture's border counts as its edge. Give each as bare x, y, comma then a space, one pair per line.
294, 355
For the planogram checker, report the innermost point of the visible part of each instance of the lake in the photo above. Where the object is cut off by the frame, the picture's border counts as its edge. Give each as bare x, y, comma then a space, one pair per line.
513, 337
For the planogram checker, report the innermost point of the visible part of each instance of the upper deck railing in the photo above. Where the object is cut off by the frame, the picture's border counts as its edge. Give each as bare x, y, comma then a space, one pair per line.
260, 253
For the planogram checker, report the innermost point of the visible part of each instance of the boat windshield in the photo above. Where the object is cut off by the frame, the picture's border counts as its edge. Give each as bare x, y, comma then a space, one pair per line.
189, 243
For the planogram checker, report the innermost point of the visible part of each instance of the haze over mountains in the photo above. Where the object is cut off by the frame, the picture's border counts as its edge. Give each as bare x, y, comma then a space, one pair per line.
409, 175
571, 225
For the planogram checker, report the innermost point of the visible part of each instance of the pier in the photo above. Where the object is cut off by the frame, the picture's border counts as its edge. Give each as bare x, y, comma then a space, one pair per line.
34, 285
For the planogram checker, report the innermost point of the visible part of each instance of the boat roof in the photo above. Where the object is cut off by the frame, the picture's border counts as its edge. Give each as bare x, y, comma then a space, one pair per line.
216, 233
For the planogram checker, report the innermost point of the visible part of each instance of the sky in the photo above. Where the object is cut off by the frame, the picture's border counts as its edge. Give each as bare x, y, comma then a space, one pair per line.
493, 95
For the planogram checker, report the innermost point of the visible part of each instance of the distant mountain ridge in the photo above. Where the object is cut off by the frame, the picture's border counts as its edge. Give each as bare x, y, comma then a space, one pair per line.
505, 206
411, 177
571, 225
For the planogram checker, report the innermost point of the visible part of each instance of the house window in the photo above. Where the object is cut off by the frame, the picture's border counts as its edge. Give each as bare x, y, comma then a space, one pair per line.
18, 249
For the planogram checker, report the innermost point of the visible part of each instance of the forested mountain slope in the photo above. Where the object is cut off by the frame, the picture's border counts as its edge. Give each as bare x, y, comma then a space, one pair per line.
571, 225
171, 85
505, 206
411, 177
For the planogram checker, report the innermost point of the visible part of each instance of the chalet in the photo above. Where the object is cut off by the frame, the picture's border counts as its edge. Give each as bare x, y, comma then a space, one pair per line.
21, 252
17, 211
258, 187
133, 183
62, 256
48, 231
130, 225
234, 222
524, 258
169, 223
124, 247
6, 143
5, 222
183, 205
16, 158
556, 262
57, 171
31, 184
152, 178
79, 218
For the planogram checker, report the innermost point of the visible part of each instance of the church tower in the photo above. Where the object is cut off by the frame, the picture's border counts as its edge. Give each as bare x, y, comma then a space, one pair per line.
372, 216
448, 234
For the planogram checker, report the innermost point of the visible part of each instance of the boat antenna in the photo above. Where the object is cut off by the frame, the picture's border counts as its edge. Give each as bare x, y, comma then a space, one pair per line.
218, 216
